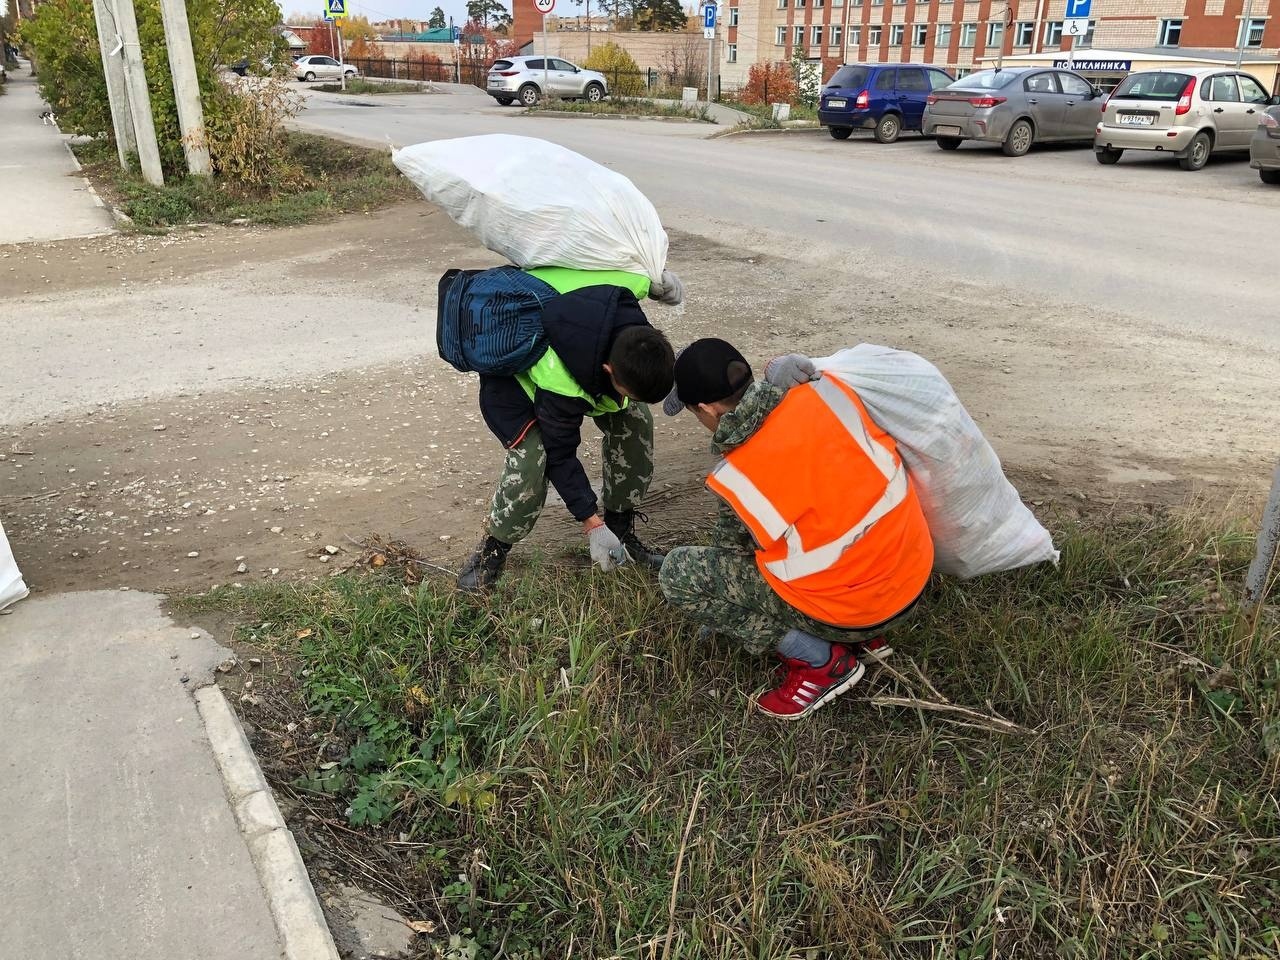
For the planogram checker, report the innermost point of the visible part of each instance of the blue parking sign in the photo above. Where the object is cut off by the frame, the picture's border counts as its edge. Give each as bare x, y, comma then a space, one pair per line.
709, 16
1078, 9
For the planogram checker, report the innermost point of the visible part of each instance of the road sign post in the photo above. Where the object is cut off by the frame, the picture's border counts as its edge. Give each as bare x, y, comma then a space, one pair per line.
544, 8
1075, 24
709, 31
335, 10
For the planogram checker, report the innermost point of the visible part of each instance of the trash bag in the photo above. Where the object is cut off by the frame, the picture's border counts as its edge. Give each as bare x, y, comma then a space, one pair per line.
12, 589
541, 205
978, 521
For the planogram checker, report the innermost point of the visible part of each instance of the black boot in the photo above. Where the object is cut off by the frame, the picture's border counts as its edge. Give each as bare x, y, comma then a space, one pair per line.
484, 567
623, 525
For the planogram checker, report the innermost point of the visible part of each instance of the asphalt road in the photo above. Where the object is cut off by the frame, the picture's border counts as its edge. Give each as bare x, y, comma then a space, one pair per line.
1187, 252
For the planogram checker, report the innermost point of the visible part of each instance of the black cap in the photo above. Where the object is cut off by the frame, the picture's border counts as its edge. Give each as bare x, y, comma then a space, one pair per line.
707, 371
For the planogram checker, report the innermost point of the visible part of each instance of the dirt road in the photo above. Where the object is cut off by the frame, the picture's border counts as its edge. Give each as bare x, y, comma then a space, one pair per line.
218, 407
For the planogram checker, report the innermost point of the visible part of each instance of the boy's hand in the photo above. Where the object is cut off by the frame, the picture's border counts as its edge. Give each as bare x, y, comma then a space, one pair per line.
790, 371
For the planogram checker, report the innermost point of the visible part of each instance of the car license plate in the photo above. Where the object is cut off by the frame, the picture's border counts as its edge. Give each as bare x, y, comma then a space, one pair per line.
1136, 120
947, 131
837, 104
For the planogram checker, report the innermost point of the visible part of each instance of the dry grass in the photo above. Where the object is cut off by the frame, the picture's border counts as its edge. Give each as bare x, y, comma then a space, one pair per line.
522, 772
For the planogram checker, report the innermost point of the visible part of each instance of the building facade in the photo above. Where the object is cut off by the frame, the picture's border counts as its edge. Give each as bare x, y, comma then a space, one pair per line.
956, 34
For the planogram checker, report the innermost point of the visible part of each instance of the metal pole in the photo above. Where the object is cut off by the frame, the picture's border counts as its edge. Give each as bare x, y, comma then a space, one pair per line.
1244, 33
144, 126
186, 87
1264, 560
342, 67
109, 44
546, 59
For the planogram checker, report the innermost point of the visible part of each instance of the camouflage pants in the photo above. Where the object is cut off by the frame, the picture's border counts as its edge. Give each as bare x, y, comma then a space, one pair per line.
722, 588
627, 448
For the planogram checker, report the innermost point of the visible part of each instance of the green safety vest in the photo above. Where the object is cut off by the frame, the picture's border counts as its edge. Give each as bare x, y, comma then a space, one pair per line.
550, 373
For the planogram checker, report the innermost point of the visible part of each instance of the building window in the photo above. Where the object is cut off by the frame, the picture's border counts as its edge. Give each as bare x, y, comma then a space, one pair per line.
817, 35
995, 35
1087, 39
1251, 33
919, 34
797, 35
1053, 33
800, 3
968, 34
733, 52
819, 3
855, 35
1170, 33
733, 16
782, 4
1026, 33
899, 3
779, 36
837, 34
962, 72
897, 32
837, 3
942, 37
873, 36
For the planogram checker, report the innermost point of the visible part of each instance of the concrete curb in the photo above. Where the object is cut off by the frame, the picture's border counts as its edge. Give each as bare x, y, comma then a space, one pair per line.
767, 132
575, 115
304, 934
116, 213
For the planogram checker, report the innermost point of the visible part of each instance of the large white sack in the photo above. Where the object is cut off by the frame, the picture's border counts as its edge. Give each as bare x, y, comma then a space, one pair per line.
12, 589
978, 522
539, 204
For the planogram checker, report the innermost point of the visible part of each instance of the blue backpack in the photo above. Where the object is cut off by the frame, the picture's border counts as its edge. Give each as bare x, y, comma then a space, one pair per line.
490, 321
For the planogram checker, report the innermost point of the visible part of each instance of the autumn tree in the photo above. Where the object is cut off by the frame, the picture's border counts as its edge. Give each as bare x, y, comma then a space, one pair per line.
357, 28
322, 40
769, 83
624, 75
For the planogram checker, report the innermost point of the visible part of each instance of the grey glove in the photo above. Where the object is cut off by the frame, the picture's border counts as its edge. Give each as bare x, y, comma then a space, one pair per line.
791, 371
607, 551
669, 291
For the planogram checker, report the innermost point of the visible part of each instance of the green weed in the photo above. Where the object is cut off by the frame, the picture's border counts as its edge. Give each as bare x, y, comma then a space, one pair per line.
523, 769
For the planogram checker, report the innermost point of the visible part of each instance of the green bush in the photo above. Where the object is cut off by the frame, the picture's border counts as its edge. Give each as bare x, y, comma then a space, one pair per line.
625, 77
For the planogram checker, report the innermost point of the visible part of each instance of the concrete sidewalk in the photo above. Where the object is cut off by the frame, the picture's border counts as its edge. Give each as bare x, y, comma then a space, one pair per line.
120, 842
42, 195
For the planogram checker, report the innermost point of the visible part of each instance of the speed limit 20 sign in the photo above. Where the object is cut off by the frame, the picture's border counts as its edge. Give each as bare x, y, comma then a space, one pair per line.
544, 6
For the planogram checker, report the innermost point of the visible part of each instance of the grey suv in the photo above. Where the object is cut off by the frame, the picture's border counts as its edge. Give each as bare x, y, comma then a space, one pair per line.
522, 78
1188, 113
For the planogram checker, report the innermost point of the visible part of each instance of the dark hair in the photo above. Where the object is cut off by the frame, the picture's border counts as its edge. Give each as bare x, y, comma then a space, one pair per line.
643, 362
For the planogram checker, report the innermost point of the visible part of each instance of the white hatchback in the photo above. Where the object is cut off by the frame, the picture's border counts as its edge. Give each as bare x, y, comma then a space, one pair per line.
321, 68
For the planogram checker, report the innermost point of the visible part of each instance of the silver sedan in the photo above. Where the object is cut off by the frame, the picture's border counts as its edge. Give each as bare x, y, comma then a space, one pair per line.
1015, 108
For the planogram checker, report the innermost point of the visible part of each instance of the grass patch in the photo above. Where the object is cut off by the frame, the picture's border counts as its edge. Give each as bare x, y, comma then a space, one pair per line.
337, 178
364, 86
628, 107
762, 114
522, 771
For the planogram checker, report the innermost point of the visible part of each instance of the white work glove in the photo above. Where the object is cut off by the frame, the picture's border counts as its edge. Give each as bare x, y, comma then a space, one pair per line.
607, 551
670, 290
790, 371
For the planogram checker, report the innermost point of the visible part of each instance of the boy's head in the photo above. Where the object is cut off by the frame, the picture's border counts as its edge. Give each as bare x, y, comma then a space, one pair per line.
710, 378
641, 364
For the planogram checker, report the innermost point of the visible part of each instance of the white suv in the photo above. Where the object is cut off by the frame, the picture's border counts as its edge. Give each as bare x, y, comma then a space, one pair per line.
522, 78
315, 67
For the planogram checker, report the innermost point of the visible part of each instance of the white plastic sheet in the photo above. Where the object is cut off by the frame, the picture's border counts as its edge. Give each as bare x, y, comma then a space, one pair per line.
978, 521
539, 204
12, 589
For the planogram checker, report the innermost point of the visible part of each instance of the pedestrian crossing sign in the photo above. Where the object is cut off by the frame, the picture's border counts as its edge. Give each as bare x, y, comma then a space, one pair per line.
337, 9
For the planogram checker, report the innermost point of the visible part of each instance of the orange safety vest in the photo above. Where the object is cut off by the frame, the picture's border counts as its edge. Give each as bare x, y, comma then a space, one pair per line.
840, 531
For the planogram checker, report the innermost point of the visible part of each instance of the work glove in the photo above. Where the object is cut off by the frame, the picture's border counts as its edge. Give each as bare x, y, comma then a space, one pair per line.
791, 371
670, 290
607, 551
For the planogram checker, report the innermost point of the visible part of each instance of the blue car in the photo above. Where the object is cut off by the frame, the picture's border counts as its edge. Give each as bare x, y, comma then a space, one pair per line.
884, 98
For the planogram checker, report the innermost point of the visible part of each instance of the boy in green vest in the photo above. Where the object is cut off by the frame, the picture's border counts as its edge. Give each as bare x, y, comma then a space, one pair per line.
604, 362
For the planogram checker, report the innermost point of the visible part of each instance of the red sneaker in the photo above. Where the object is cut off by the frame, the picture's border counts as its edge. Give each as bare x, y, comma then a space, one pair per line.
877, 649
804, 688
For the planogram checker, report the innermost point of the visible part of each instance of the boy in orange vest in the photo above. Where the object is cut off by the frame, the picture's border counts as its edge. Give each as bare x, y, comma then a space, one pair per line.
820, 544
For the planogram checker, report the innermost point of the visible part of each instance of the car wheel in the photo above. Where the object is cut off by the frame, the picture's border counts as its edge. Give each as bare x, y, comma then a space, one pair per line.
595, 93
350, 74
1198, 153
309, 77
1270, 176
840, 133
1108, 155
888, 128
529, 95
504, 101
1019, 140
948, 143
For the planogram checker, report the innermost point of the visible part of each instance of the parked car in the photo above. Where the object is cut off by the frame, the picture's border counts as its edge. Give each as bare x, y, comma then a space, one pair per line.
873, 96
316, 67
1264, 151
1014, 107
522, 78
1190, 113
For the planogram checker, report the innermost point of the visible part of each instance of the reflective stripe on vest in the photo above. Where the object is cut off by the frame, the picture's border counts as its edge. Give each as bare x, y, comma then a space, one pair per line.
801, 561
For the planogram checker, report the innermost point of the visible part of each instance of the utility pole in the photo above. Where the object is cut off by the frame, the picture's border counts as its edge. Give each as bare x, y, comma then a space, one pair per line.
1244, 33
144, 126
186, 86
110, 45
